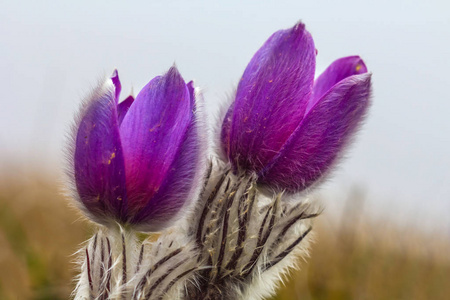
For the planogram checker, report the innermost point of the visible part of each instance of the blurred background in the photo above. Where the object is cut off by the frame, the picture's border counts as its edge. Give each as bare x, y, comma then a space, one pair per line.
385, 231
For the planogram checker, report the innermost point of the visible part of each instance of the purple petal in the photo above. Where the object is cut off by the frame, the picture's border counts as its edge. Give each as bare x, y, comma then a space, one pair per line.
117, 85
123, 108
98, 158
191, 89
337, 71
175, 190
320, 138
152, 133
271, 97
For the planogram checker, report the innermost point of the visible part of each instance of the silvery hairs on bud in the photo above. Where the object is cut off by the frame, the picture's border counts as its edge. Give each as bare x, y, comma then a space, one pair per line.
239, 243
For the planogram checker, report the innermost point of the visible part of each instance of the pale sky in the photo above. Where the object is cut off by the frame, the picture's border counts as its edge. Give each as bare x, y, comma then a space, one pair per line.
53, 52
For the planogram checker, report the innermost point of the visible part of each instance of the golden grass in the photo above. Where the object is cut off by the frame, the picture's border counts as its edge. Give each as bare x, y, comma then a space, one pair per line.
38, 235
372, 261
352, 260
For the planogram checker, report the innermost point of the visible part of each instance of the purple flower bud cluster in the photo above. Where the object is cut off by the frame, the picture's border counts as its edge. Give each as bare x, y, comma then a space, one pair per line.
140, 162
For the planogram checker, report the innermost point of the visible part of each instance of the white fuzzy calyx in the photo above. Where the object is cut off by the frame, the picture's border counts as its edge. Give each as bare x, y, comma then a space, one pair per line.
237, 243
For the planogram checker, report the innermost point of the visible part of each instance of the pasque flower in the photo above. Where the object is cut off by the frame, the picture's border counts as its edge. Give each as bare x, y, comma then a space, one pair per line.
283, 125
135, 162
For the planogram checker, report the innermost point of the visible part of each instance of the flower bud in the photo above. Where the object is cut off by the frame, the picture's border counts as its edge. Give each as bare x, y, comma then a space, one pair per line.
283, 125
136, 162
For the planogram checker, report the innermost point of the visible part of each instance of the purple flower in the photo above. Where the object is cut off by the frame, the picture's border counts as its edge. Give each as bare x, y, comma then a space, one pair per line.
283, 125
135, 162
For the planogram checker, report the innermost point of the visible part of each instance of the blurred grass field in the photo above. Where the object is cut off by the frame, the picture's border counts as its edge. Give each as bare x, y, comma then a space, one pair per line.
356, 259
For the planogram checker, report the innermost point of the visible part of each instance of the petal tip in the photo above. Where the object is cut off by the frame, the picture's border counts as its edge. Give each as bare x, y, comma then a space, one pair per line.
300, 26
360, 66
116, 81
173, 70
300, 29
115, 77
173, 76
191, 88
364, 77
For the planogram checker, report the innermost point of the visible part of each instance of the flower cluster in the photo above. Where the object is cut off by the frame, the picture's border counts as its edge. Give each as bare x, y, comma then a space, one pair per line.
137, 161
142, 163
